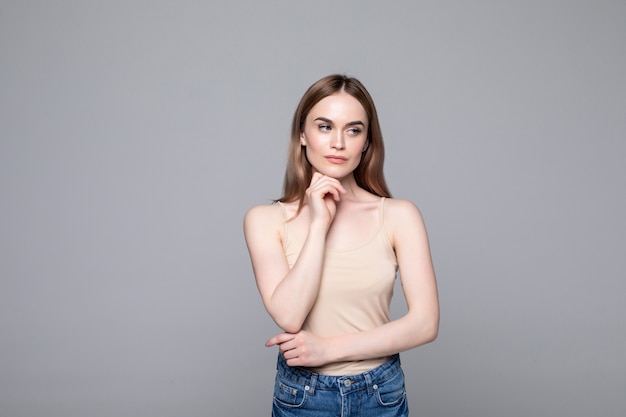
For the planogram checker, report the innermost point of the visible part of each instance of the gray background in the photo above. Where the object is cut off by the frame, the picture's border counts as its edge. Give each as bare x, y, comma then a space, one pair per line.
135, 135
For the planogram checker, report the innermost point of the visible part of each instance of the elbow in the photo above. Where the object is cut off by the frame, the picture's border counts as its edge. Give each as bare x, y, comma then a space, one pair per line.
292, 328
431, 333
431, 330
288, 323
285, 317
427, 331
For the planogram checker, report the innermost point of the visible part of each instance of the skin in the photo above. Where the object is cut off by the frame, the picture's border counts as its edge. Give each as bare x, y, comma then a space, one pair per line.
336, 214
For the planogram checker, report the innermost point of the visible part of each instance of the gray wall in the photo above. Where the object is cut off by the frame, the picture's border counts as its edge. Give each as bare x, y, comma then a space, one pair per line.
135, 135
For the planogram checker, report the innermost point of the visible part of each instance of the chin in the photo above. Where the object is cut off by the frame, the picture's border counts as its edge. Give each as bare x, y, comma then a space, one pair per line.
337, 172
336, 175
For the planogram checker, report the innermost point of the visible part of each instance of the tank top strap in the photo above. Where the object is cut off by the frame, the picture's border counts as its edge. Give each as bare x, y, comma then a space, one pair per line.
383, 232
285, 228
282, 206
381, 212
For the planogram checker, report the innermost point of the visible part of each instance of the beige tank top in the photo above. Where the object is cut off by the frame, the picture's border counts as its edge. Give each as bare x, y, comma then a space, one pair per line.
355, 291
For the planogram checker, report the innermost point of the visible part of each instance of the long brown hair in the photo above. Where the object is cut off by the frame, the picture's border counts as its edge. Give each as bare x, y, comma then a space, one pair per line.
369, 173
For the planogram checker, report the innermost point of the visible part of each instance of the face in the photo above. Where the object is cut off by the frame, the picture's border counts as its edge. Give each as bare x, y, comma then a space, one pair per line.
335, 135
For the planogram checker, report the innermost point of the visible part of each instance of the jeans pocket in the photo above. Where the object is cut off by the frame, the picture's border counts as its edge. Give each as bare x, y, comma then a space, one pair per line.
288, 393
391, 392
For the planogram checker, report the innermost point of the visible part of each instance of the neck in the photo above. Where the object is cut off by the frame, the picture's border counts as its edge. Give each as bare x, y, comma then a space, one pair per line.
354, 192
351, 187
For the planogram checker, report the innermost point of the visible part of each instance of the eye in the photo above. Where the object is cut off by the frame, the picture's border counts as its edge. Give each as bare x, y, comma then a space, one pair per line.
354, 131
324, 128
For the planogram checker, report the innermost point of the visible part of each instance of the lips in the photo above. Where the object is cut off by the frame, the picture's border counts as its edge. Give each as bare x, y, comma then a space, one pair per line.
336, 159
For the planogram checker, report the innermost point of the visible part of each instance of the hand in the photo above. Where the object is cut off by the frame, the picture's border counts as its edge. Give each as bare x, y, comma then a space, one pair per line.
300, 349
323, 194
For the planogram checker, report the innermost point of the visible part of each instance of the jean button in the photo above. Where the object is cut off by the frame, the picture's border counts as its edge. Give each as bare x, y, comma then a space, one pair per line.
347, 383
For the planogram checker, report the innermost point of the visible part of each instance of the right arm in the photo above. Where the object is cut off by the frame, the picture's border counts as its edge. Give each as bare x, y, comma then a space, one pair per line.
288, 294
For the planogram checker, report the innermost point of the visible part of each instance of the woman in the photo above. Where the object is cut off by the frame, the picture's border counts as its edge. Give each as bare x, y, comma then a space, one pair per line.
325, 258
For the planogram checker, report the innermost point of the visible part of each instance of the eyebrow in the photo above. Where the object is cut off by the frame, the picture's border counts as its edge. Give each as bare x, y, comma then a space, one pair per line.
354, 123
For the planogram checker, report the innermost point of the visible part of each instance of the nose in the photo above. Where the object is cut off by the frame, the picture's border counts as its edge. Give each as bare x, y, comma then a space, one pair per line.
337, 141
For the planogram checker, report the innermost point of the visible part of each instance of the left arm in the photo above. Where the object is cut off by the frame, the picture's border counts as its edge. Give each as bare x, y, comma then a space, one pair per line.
418, 326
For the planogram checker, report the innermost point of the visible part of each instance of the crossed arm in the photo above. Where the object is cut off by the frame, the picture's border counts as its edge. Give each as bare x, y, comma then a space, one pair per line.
289, 294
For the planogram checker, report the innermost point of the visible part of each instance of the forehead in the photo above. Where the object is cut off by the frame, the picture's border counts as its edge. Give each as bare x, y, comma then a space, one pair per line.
339, 107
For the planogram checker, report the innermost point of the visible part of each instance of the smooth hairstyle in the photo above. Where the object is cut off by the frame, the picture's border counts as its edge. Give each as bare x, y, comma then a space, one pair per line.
369, 173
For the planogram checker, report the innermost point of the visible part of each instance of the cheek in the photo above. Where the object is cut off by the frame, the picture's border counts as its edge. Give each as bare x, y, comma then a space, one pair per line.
358, 146
314, 141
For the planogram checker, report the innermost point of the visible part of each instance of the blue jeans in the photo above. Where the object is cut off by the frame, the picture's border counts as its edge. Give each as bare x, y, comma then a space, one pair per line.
380, 392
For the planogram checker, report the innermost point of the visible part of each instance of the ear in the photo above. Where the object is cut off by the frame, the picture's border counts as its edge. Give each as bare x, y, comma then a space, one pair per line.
302, 139
367, 145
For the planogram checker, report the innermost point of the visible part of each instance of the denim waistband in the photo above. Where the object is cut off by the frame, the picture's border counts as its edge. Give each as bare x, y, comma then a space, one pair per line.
345, 383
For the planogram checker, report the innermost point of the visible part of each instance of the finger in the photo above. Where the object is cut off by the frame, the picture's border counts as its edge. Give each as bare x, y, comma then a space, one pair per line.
324, 191
335, 183
279, 339
316, 177
321, 194
336, 186
290, 354
336, 195
287, 347
327, 187
294, 361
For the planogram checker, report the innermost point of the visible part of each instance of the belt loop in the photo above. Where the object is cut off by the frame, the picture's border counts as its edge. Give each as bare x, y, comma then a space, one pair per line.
368, 382
312, 383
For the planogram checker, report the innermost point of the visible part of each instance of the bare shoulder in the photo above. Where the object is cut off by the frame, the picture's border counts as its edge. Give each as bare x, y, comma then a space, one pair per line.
264, 216
399, 211
264, 212
403, 217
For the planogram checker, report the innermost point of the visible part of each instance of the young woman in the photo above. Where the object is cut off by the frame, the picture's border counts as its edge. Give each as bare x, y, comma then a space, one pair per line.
325, 258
